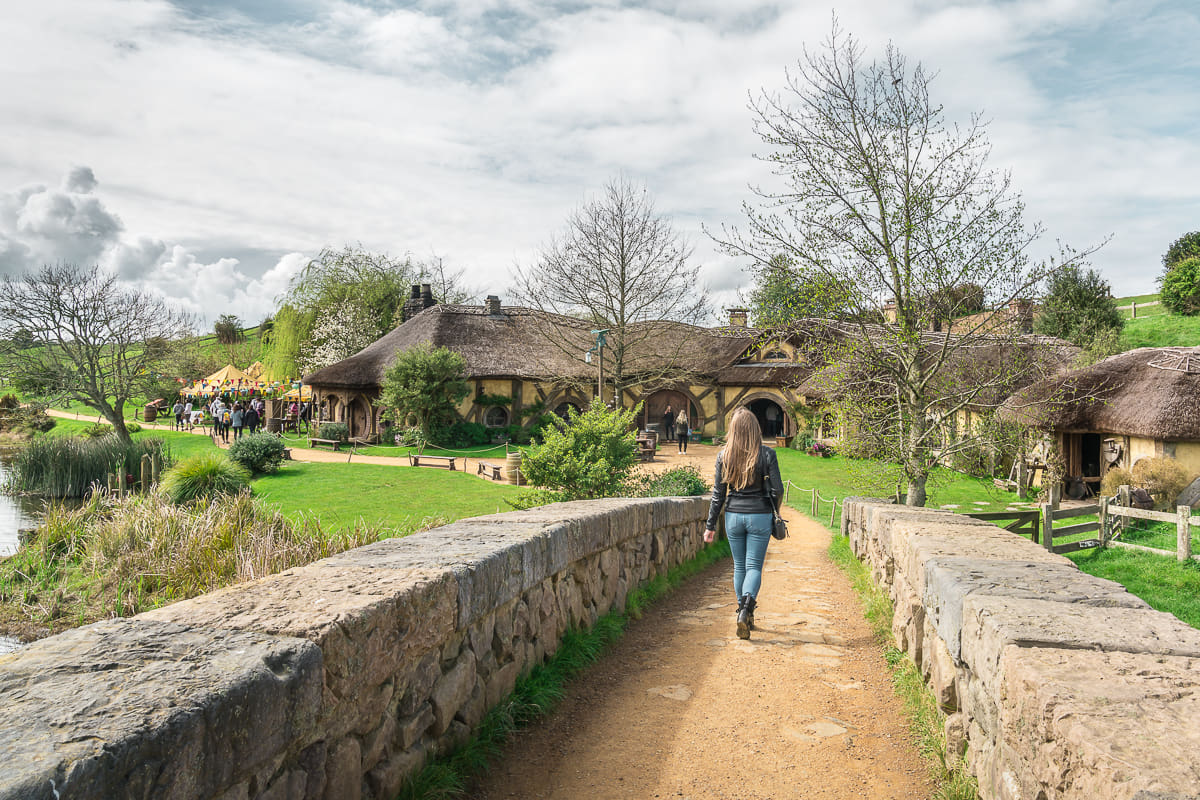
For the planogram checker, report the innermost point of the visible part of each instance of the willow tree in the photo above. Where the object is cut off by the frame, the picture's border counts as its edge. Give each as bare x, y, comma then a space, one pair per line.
878, 196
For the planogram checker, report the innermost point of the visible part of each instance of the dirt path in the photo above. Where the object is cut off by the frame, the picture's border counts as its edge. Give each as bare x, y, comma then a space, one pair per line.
683, 708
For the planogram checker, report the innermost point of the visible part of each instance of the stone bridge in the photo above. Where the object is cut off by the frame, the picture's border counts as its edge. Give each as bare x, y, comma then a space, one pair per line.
337, 679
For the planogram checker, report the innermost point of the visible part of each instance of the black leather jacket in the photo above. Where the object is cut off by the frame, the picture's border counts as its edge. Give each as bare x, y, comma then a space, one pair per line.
751, 500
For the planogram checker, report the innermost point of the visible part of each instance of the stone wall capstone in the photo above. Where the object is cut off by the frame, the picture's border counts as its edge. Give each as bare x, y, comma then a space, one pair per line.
333, 681
1058, 685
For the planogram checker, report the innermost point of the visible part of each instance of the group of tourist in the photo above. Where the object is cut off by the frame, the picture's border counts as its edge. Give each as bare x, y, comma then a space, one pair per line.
241, 417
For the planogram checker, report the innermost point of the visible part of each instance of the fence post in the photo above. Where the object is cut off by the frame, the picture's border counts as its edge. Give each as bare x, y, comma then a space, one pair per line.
146, 472
1048, 526
1104, 522
1125, 500
1133, 309
1036, 524
1022, 479
832, 511
845, 523
814, 504
787, 488
1183, 534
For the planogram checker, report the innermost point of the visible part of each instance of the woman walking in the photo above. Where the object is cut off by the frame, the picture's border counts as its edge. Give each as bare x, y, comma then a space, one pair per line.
744, 466
683, 429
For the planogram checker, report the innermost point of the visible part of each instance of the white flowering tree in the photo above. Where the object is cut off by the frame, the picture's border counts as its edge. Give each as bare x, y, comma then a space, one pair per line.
339, 332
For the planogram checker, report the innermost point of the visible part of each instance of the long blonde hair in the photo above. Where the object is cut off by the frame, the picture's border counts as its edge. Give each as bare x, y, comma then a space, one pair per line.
739, 459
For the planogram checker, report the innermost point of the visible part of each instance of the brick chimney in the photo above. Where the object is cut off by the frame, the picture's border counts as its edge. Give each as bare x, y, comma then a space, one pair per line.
491, 306
737, 317
412, 306
427, 300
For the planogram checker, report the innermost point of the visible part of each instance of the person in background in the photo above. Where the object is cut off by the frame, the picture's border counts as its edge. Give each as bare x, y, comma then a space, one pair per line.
187, 413
744, 466
177, 410
668, 423
237, 420
683, 429
197, 418
251, 418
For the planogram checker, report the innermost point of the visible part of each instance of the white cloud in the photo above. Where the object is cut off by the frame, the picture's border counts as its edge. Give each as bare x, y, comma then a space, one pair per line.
471, 128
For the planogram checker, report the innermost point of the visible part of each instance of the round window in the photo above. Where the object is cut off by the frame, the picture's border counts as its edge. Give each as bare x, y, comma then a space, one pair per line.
496, 417
564, 409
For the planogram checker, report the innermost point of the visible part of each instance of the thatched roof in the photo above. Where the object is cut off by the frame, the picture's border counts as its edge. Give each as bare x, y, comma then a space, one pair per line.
1152, 392
529, 344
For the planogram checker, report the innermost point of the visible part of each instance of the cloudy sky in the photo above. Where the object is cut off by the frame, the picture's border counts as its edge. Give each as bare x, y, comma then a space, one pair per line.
207, 148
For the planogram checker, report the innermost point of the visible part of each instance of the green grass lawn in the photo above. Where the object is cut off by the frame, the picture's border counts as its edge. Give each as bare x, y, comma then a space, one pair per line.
1161, 581
1141, 300
399, 498
839, 477
1163, 330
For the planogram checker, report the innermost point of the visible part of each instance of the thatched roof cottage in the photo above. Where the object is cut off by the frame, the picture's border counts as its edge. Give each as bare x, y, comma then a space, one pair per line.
1134, 405
532, 357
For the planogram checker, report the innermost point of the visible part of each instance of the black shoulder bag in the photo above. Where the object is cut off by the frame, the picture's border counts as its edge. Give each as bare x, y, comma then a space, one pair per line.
779, 527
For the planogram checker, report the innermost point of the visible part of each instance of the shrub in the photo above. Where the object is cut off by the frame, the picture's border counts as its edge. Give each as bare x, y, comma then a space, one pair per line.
9, 402
1163, 477
589, 456
972, 458
411, 437
205, 475
98, 430
258, 452
676, 482
822, 449
1180, 290
1114, 479
133, 427
24, 420
63, 466
334, 430
466, 434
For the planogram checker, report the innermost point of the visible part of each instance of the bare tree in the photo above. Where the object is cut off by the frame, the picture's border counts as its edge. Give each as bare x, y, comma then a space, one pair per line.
895, 208
620, 266
76, 332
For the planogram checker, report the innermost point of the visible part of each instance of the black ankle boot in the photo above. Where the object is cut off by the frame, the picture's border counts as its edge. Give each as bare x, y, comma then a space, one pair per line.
745, 618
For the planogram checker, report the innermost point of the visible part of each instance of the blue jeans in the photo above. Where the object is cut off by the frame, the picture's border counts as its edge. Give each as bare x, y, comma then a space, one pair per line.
749, 535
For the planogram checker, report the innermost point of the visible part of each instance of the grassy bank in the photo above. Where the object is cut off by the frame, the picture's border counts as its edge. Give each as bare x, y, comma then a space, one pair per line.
113, 558
398, 498
1159, 580
1163, 330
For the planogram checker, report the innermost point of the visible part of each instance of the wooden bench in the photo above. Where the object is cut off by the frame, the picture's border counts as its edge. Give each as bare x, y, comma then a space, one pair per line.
484, 468
439, 461
336, 444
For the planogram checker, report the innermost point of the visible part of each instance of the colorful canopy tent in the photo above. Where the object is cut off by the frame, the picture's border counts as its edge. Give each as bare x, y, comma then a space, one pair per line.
228, 374
255, 370
303, 394
230, 380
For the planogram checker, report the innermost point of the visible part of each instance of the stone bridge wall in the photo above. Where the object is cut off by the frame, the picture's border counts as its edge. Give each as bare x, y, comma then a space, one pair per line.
1060, 685
335, 680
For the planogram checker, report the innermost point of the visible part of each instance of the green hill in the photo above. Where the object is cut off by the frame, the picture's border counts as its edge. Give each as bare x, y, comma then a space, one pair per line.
1154, 326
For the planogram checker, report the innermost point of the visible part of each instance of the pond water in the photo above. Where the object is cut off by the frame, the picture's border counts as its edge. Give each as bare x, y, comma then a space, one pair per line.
16, 513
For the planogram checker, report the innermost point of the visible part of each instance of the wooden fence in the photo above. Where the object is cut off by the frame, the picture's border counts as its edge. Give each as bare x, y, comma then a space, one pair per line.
1022, 522
1050, 532
1183, 519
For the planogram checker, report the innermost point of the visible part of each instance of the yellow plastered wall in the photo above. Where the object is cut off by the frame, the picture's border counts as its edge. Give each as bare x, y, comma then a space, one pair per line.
1188, 454
1140, 448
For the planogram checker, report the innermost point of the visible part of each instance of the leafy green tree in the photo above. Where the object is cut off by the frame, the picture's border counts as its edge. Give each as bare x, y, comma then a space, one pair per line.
590, 455
229, 329
783, 294
426, 384
1180, 287
1186, 246
288, 334
1078, 306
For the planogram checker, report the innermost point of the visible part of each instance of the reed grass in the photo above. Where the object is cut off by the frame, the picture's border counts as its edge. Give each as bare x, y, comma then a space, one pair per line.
114, 557
60, 466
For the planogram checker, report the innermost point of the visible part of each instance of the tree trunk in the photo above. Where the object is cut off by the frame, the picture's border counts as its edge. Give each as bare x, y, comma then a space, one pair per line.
116, 417
916, 491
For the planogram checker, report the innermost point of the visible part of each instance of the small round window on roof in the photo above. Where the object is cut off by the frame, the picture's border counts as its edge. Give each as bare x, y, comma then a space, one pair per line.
496, 417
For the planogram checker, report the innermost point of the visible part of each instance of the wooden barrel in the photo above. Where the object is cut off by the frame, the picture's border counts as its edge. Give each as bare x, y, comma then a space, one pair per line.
274, 425
512, 468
